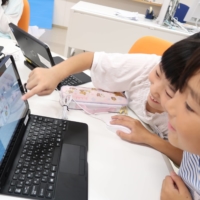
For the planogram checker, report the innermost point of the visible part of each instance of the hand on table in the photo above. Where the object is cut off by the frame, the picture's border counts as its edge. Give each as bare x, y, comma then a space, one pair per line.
41, 82
174, 188
139, 134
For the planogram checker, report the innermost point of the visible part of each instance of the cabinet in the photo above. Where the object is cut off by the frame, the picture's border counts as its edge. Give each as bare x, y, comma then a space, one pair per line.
152, 3
62, 8
97, 28
61, 12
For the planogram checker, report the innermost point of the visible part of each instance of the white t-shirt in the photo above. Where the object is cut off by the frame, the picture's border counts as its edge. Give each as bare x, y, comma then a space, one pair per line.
190, 173
10, 12
116, 72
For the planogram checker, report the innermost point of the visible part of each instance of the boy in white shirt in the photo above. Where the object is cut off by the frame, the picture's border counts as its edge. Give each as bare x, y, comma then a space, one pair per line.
10, 11
148, 80
184, 133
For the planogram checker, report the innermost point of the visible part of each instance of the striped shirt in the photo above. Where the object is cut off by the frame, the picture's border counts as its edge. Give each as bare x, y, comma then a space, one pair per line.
190, 173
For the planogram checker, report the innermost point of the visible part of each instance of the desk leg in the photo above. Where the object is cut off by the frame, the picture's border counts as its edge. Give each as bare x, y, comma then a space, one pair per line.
69, 52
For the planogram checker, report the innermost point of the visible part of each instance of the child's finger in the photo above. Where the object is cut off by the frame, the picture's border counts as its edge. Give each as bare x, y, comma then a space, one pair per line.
122, 117
168, 182
180, 184
31, 84
32, 92
121, 122
124, 136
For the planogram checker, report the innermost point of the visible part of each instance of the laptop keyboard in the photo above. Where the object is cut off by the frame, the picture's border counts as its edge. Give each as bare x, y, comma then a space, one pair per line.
36, 171
71, 81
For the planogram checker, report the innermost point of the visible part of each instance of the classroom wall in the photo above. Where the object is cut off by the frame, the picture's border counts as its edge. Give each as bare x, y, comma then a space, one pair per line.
44, 13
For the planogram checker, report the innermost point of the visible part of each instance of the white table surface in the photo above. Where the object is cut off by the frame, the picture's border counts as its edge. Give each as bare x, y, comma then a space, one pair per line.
117, 169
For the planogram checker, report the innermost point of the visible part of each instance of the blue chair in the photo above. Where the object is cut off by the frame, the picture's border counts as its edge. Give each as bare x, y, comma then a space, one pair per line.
181, 12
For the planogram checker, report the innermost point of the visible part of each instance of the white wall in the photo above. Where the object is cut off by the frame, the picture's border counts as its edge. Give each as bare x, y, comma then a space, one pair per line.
186, 2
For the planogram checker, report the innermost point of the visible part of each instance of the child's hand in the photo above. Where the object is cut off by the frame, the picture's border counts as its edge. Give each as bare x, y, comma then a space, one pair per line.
174, 188
41, 82
139, 134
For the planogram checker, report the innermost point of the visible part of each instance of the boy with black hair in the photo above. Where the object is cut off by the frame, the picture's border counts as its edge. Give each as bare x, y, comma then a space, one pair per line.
148, 80
184, 133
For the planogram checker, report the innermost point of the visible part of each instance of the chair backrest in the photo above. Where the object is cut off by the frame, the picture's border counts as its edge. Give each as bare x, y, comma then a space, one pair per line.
150, 45
25, 18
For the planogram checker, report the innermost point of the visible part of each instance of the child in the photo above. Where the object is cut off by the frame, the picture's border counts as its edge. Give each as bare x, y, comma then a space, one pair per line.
149, 81
10, 11
184, 133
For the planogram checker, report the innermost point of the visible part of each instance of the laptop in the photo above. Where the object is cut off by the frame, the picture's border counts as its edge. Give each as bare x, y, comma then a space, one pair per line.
40, 157
1, 48
37, 54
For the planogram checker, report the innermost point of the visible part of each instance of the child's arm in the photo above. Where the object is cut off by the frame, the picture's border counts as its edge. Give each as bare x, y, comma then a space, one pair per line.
139, 134
11, 14
43, 81
174, 188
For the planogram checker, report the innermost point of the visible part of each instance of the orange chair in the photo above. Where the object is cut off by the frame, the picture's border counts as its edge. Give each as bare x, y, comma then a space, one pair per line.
25, 18
150, 45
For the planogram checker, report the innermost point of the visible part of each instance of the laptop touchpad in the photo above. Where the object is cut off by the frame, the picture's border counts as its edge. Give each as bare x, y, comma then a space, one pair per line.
70, 158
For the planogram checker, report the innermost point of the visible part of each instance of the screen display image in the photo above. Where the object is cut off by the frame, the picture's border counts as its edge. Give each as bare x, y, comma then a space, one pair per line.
12, 108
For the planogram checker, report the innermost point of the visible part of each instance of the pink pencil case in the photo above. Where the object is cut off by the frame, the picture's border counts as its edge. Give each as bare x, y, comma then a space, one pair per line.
93, 100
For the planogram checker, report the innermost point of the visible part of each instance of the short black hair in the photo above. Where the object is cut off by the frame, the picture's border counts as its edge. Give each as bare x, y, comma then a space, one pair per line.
176, 57
4, 2
192, 67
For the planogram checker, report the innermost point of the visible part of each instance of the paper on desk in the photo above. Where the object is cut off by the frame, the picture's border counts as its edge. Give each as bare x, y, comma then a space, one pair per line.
35, 31
127, 15
10, 48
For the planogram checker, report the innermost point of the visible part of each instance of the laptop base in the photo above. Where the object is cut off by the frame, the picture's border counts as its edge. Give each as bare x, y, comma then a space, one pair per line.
50, 164
40, 157
57, 60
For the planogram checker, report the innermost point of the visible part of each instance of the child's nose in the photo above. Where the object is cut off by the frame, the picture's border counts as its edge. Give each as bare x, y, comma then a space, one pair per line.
171, 106
156, 89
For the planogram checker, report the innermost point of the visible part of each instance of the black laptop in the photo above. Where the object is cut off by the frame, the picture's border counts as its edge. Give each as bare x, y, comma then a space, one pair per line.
38, 54
40, 157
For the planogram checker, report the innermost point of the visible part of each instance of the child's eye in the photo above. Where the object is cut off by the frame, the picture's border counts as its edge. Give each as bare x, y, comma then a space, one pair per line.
168, 94
157, 74
188, 107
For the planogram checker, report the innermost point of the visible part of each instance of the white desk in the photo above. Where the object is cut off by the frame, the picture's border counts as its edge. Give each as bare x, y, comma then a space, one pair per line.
94, 27
118, 170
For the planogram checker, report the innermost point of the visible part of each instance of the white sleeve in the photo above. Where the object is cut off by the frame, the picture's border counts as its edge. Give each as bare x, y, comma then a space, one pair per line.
116, 72
10, 13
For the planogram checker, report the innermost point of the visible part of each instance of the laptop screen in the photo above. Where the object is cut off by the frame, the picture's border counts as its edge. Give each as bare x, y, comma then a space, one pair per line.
12, 108
36, 52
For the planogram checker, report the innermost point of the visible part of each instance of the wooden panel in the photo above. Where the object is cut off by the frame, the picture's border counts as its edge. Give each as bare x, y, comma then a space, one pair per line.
147, 2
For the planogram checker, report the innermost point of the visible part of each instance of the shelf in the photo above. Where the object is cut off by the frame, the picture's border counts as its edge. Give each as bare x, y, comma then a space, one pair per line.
147, 2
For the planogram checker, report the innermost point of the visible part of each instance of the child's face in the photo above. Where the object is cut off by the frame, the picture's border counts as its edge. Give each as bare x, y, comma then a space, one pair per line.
184, 117
160, 91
